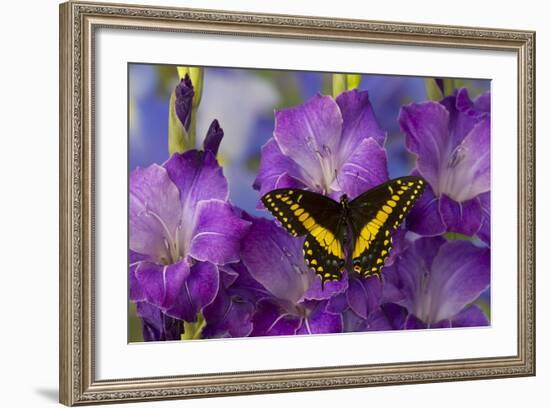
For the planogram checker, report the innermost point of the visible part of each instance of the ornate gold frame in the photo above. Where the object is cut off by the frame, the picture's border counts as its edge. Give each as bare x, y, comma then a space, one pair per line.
78, 22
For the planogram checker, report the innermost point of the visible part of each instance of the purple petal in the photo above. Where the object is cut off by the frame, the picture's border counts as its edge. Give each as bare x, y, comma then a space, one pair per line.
161, 284
156, 326
468, 171
320, 321
364, 295
478, 108
396, 315
399, 244
414, 323
460, 124
271, 319
154, 210
460, 273
316, 291
136, 293
425, 218
352, 322
218, 233
184, 101
213, 138
472, 316
245, 285
338, 303
228, 316
483, 102
198, 176
309, 132
427, 135
403, 279
365, 168
485, 231
199, 290
359, 121
276, 261
464, 218
276, 170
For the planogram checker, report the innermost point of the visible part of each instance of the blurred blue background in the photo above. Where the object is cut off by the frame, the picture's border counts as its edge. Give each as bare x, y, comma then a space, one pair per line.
244, 100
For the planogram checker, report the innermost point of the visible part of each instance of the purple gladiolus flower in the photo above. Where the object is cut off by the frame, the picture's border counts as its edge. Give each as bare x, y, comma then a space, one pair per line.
330, 146
451, 140
231, 313
182, 228
434, 283
289, 295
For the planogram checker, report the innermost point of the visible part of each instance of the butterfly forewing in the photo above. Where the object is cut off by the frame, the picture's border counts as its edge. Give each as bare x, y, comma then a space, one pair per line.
374, 214
303, 212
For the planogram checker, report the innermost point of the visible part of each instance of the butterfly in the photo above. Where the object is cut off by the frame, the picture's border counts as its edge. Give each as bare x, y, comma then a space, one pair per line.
329, 226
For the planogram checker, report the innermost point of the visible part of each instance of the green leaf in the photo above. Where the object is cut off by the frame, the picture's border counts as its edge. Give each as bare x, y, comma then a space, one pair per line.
344, 82
338, 84
485, 308
193, 331
455, 236
353, 81
432, 90
449, 86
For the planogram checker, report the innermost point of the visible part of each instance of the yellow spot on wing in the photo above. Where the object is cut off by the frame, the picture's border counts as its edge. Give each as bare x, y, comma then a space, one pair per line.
336, 249
317, 230
395, 197
294, 206
387, 209
392, 203
298, 212
382, 216
310, 222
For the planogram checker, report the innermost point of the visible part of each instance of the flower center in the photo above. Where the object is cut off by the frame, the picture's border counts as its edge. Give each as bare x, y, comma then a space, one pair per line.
171, 243
328, 168
426, 304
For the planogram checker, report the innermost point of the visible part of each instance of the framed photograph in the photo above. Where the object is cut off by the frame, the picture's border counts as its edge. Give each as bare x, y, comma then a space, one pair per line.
258, 203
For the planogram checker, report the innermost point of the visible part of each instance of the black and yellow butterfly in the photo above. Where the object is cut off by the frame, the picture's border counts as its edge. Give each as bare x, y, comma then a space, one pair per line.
327, 224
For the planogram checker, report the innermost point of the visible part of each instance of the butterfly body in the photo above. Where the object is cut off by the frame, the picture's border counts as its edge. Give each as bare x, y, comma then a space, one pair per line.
354, 234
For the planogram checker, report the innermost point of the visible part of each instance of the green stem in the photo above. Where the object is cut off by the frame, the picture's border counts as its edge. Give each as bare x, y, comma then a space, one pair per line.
193, 330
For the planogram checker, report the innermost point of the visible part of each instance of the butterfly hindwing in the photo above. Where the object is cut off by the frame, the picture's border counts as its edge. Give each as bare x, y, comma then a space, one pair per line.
326, 259
374, 214
303, 212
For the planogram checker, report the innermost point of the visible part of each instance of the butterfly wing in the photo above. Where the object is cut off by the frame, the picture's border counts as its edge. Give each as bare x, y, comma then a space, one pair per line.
303, 212
374, 214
